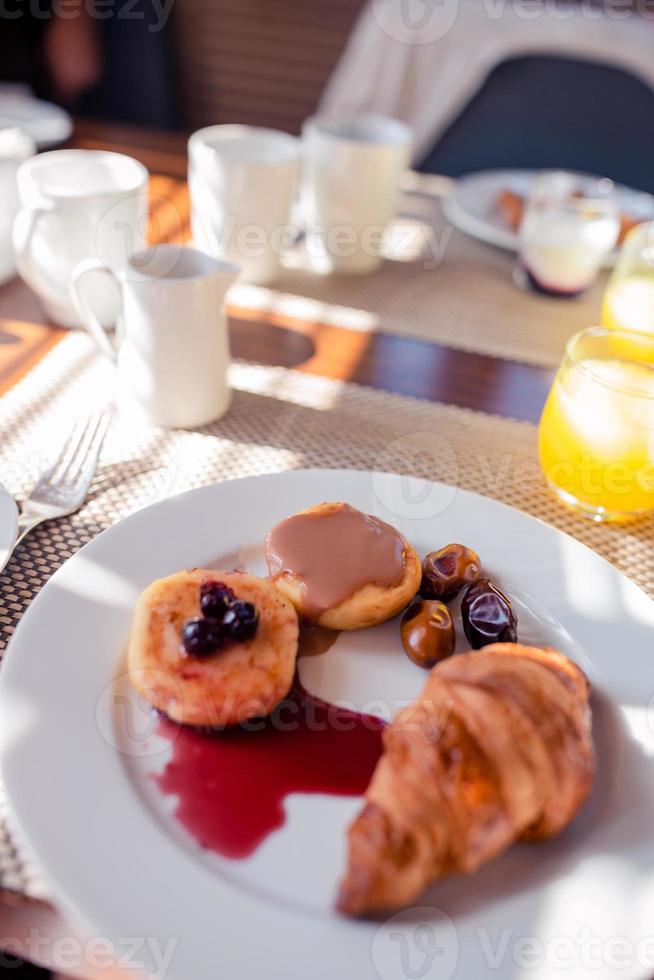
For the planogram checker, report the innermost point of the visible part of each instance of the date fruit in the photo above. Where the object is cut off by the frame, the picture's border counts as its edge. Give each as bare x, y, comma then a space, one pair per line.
445, 572
427, 632
488, 615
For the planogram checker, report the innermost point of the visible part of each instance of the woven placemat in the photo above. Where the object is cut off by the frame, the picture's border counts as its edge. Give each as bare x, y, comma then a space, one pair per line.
280, 419
441, 286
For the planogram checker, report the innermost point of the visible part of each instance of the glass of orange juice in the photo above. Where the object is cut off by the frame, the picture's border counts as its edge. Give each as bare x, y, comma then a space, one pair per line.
596, 435
629, 296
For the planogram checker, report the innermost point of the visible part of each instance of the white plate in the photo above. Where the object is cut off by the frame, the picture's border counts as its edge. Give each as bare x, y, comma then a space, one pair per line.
117, 860
8, 525
472, 205
46, 123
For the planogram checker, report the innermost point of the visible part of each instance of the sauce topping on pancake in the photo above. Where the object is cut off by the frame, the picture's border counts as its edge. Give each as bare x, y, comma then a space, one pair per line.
335, 553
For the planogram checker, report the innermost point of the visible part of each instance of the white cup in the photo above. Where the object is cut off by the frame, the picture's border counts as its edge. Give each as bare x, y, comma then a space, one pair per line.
352, 178
242, 182
15, 146
172, 346
78, 204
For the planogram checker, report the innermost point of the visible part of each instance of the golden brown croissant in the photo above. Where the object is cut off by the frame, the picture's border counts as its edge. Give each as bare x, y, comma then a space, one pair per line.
498, 748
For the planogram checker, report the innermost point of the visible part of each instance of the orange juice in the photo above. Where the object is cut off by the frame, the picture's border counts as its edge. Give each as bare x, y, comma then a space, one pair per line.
629, 304
596, 434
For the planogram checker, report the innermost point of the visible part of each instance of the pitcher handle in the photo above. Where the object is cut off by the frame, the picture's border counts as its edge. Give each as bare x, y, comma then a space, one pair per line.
25, 225
87, 316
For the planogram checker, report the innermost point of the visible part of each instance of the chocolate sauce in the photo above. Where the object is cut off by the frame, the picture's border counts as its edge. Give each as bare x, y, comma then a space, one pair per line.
231, 784
315, 640
335, 553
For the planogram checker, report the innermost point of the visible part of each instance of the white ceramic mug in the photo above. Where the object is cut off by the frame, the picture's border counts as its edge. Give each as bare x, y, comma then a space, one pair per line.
172, 346
242, 183
352, 178
78, 204
15, 146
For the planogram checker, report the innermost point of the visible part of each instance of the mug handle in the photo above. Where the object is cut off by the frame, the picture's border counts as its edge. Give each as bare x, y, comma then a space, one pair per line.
89, 320
25, 225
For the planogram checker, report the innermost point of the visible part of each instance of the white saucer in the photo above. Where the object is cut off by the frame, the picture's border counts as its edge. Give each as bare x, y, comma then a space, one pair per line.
46, 123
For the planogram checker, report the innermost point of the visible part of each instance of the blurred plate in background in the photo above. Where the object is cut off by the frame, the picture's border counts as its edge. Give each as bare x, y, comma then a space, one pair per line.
46, 123
473, 205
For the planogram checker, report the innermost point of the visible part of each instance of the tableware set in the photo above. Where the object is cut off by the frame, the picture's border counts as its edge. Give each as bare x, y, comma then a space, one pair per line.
15, 146
80, 242
629, 297
566, 235
171, 347
8, 525
44, 123
77, 204
84, 725
471, 206
353, 172
256, 191
597, 429
61, 488
242, 183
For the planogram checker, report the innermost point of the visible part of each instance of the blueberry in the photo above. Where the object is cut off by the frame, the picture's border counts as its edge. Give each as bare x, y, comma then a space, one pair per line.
201, 637
215, 598
241, 620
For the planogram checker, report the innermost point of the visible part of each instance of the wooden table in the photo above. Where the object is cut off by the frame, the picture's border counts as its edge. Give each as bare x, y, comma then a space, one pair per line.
379, 360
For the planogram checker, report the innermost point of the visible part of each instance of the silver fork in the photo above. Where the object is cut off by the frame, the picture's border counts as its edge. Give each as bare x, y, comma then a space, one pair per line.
62, 487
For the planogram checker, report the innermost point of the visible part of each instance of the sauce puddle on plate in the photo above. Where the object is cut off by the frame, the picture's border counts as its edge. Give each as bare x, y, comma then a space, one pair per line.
231, 784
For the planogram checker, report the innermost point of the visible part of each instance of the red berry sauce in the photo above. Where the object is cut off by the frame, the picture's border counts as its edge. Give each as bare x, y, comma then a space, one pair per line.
231, 784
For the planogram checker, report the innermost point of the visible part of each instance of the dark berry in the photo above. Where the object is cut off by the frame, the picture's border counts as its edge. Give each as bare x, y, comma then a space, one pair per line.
241, 620
215, 598
201, 637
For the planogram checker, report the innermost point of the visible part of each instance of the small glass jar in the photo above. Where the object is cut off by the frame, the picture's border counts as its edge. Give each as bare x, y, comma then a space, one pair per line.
567, 232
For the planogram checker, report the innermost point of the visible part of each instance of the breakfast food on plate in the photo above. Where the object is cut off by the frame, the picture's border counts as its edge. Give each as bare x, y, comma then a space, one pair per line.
446, 571
341, 568
487, 615
498, 748
427, 632
511, 207
213, 648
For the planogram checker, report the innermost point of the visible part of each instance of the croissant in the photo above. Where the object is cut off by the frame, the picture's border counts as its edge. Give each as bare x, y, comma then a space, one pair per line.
498, 748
